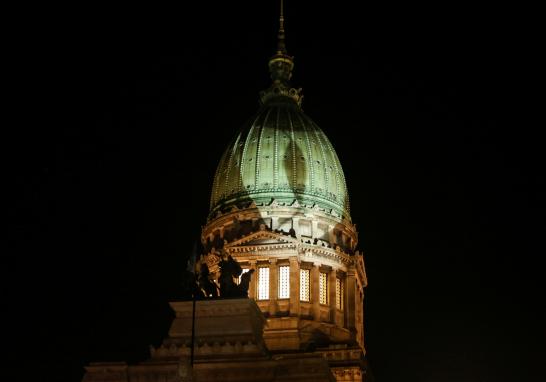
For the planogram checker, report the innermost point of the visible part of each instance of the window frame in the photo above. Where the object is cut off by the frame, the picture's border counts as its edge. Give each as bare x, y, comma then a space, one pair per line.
308, 271
323, 288
266, 287
279, 281
340, 294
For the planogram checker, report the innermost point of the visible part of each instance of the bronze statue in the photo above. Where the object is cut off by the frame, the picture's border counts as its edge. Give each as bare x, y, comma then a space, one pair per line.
208, 286
245, 283
229, 270
201, 285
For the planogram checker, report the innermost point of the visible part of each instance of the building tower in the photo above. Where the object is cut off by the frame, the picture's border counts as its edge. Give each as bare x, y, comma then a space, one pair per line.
279, 205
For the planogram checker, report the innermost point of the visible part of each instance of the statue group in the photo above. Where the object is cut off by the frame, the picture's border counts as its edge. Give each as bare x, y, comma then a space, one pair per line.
232, 281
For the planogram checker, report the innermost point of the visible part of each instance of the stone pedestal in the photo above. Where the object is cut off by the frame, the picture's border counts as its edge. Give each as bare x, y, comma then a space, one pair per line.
228, 346
225, 324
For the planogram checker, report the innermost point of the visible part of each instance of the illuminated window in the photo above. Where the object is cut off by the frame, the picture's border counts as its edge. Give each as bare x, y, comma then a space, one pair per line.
245, 270
263, 283
339, 294
323, 288
304, 285
284, 282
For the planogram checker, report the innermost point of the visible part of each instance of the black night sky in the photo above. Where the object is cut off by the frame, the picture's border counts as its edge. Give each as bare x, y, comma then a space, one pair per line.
129, 109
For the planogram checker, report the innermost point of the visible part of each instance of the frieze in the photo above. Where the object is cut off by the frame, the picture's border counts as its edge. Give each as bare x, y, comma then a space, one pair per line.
343, 354
225, 220
211, 311
341, 374
263, 234
328, 206
262, 248
205, 348
340, 257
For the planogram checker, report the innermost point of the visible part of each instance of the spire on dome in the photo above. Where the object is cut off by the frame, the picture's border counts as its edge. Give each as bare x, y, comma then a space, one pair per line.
280, 68
281, 47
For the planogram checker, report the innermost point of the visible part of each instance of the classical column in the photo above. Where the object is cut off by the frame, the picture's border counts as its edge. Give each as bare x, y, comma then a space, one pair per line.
296, 226
315, 292
350, 308
253, 280
273, 286
294, 286
332, 294
314, 229
359, 317
274, 223
332, 236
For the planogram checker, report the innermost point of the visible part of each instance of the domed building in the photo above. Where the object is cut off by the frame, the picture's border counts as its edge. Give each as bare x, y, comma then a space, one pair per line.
279, 206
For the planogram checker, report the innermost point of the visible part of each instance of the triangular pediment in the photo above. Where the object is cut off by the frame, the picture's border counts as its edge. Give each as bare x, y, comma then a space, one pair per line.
262, 238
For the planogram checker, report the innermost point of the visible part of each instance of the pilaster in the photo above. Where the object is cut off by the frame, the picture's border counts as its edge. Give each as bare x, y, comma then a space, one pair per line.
351, 300
273, 286
253, 280
332, 294
315, 291
294, 286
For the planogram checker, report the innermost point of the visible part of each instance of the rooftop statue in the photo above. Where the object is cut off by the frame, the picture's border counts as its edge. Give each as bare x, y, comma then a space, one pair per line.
245, 283
201, 285
207, 286
229, 271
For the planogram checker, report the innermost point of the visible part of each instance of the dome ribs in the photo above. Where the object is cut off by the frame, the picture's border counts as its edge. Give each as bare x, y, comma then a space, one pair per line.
276, 151
281, 153
334, 160
309, 154
293, 149
258, 149
245, 150
317, 130
229, 167
216, 185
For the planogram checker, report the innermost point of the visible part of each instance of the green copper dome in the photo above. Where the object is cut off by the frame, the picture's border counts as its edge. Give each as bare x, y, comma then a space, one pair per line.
281, 154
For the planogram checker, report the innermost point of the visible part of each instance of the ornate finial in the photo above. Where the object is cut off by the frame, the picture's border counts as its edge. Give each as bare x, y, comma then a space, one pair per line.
280, 67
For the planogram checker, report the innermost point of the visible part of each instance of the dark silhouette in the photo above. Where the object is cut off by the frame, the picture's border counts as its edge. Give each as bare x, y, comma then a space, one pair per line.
200, 285
208, 286
292, 232
189, 286
245, 283
229, 270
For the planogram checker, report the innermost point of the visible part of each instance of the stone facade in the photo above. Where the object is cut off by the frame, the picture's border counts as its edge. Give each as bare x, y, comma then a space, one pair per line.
332, 328
280, 206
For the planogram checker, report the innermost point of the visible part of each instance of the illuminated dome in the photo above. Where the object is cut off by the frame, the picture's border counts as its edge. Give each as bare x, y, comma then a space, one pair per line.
281, 154
279, 206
